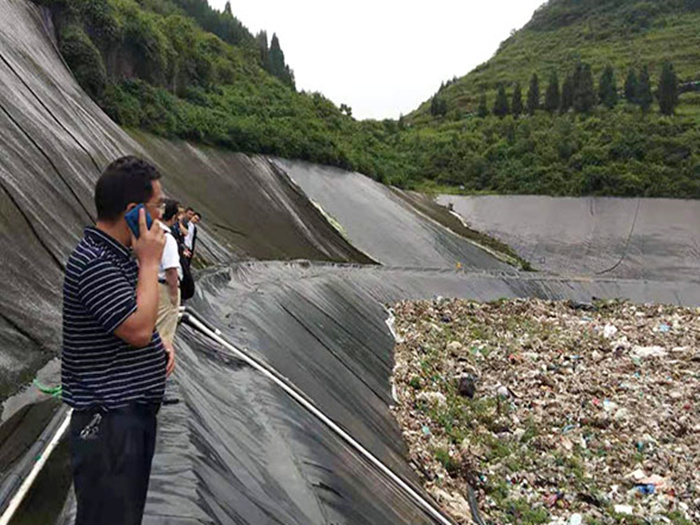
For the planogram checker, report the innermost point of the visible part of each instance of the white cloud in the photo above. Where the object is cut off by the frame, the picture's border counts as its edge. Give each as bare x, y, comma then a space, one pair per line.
383, 57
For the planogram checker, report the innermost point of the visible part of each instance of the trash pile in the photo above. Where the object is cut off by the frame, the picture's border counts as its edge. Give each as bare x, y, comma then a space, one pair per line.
553, 412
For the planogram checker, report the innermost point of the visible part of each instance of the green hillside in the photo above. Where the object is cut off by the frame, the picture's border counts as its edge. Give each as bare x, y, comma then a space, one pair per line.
620, 150
179, 68
621, 33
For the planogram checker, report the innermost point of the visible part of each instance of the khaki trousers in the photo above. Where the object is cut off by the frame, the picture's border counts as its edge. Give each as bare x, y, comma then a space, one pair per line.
167, 314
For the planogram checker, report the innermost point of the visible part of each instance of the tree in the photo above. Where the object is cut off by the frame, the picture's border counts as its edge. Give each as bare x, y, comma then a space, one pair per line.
584, 89
533, 95
607, 89
345, 109
500, 107
263, 46
402, 122
483, 110
227, 9
516, 106
567, 94
277, 66
631, 86
644, 95
552, 98
438, 107
668, 90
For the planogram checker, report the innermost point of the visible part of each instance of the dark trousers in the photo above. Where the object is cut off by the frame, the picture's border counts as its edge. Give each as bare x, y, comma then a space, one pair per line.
112, 455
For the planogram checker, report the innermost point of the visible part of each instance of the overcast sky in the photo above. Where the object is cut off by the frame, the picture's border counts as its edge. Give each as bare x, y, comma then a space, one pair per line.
383, 57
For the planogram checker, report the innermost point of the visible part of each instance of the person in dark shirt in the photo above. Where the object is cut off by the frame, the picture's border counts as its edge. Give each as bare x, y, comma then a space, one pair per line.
113, 363
177, 229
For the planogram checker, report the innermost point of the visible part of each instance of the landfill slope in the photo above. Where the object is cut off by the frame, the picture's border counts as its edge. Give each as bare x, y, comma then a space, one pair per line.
248, 201
237, 450
381, 223
54, 142
627, 238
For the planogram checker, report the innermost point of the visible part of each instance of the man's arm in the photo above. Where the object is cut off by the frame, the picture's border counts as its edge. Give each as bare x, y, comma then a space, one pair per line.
137, 329
173, 281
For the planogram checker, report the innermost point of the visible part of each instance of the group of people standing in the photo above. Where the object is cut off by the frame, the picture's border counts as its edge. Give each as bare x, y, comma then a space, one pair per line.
175, 282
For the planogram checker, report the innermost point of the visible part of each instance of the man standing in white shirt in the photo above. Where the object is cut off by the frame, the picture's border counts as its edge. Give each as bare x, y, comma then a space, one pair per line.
193, 219
169, 277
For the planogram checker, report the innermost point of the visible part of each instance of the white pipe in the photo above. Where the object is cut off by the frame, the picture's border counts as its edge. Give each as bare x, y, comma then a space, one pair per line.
27, 483
420, 500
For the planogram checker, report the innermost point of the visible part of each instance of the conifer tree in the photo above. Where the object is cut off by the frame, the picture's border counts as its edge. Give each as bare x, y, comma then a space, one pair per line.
276, 57
402, 122
435, 106
668, 90
567, 94
516, 106
607, 89
644, 96
438, 107
483, 110
584, 89
631, 86
227, 9
533, 95
277, 65
552, 98
500, 107
264, 48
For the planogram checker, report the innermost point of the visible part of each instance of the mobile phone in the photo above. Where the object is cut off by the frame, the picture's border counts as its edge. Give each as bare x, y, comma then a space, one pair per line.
132, 219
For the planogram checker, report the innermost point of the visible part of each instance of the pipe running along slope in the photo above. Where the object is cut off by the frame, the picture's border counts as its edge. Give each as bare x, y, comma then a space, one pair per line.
28, 481
193, 320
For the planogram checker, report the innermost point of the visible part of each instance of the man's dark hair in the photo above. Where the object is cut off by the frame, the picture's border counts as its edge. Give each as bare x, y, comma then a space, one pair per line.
198, 215
189, 209
172, 208
126, 180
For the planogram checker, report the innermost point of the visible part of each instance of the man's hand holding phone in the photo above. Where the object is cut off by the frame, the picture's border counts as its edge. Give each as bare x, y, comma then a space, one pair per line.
148, 247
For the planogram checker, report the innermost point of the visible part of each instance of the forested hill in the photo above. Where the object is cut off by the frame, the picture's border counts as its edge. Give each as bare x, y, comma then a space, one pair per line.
594, 97
562, 33
575, 103
179, 68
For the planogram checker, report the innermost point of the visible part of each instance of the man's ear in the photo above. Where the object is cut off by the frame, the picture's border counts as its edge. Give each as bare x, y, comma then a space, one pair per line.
129, 207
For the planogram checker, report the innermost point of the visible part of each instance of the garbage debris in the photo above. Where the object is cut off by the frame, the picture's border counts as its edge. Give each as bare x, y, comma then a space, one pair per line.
648, 351
609, 331
624, 509
582, 415
467, 386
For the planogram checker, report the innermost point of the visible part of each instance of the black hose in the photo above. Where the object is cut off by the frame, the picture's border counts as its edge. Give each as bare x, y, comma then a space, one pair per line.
627, 244
474, 506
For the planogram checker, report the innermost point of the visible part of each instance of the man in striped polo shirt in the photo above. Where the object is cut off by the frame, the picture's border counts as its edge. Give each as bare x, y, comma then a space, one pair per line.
113, 363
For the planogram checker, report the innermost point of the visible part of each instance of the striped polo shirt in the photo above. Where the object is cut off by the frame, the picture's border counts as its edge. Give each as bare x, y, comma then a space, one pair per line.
98, 368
